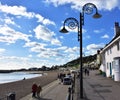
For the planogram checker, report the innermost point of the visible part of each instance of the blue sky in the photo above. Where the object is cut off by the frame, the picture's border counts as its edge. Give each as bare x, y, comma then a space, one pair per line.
30, 37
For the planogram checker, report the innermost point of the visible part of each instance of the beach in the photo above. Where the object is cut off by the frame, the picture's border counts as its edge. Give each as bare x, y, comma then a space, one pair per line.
23, 87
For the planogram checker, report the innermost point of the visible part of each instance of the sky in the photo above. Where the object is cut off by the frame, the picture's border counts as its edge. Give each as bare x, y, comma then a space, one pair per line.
30, 37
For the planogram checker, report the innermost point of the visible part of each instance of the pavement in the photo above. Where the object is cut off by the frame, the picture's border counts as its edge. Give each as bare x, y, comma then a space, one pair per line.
98, 87
53, 91
95, 87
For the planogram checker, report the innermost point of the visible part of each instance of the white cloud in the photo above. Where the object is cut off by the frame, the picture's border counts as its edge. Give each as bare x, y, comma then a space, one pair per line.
98, 31
51, 56
105, 36
36, 47
40, 18
41, 32
14, 62
50, 53
72, 50
9, 21
61, 37
87, 37
2, 50
30, 56
16, 10
43, 51
92, 48
13, 58
78, 4
34, 44
43, 20
47, 22
22, 11
9, 35
55, 41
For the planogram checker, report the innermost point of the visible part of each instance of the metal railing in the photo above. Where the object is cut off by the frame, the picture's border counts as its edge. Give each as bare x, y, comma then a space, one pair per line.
71, 90
70, 93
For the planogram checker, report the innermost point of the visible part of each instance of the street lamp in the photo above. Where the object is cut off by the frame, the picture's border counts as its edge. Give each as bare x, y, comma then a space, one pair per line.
73, 23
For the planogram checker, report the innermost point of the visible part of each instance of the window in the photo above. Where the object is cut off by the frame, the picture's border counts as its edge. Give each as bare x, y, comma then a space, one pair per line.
112, 64
107, 65
118, 46
107, 52
110, 50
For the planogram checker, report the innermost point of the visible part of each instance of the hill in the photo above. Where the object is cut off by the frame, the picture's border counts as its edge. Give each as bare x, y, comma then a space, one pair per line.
76, 62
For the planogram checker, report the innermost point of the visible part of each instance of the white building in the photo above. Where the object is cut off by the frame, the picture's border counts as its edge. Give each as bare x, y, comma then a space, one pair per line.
110, 56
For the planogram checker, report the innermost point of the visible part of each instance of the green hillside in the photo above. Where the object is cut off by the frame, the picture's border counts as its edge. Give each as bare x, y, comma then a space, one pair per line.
86, 60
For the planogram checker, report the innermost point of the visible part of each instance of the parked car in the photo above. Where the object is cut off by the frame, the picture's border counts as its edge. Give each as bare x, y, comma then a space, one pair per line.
67, 81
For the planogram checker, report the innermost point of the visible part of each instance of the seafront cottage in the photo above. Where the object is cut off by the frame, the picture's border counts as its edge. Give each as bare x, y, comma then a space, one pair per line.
110, 56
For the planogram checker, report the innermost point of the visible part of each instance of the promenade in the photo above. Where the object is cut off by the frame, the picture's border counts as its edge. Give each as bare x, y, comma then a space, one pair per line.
96, 87
52, 91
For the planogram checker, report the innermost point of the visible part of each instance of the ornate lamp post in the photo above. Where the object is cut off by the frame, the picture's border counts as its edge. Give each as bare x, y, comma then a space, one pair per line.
73, 23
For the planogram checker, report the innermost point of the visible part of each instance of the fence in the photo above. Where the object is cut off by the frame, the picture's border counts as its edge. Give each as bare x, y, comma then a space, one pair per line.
71, 90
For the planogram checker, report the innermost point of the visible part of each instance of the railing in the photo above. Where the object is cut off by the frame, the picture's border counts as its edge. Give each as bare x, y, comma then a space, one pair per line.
70, 93
71, 90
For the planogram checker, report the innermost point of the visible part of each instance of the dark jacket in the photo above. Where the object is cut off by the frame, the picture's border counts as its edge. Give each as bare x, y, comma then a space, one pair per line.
34, 88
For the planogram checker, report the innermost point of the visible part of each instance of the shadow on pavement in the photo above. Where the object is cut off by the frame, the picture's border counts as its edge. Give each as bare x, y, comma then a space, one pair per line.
42, 99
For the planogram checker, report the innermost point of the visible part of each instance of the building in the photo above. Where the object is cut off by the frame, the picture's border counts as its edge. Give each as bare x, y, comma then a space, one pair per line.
110, 56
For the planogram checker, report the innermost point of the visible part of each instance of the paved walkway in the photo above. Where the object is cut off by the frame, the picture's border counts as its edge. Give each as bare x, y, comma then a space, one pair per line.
53, 91
97, 87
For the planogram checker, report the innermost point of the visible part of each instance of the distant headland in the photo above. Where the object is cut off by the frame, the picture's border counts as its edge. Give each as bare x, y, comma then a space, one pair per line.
6, 71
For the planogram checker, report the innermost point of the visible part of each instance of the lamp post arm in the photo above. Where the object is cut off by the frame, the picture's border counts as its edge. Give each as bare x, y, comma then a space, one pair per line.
88, 8
71, 21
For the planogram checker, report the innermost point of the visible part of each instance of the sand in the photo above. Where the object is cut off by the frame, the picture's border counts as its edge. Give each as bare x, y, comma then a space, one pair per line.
23, 87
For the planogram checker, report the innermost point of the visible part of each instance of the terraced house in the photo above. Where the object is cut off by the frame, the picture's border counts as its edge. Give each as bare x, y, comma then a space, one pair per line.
110, 56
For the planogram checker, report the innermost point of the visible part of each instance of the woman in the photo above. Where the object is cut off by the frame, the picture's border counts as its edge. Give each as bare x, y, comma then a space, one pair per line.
39, 89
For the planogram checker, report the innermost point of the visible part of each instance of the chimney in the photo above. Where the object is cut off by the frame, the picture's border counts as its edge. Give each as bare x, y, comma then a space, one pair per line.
98, 51
117, 29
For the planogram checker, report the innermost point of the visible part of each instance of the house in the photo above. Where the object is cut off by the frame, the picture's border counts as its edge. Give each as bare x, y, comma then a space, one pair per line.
110, 56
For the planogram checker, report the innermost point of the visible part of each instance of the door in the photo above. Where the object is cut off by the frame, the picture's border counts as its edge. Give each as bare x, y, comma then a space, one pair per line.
110, 69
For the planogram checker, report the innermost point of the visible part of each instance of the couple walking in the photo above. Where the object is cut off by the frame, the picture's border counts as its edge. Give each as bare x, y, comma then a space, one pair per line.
36, 90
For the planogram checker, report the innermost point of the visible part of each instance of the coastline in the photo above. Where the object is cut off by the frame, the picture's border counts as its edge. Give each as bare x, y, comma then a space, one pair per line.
23, 87
18, 75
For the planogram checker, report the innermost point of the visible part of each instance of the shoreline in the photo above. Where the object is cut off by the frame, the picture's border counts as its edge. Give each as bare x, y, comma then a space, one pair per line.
23, 87
18, 76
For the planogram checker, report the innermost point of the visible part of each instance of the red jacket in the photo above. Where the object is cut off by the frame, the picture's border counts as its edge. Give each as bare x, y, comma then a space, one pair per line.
34, 88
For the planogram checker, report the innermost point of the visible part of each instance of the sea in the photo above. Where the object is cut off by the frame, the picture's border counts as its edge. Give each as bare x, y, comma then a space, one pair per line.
16, 76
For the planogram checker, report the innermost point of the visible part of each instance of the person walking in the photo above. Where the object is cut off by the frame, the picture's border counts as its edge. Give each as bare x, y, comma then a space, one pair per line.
88, 72
85, 71
39, 90
34, 89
